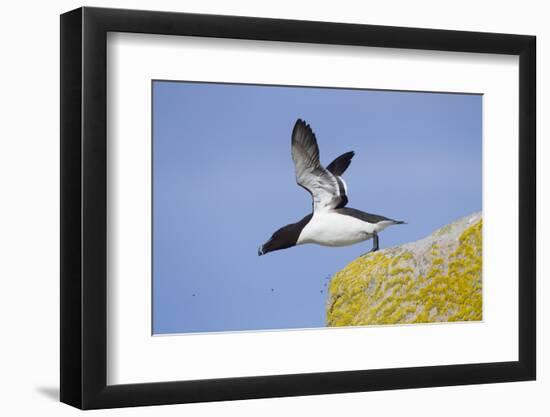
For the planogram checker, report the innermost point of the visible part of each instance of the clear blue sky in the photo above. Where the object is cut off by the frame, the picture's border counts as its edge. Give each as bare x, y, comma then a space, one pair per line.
224, 182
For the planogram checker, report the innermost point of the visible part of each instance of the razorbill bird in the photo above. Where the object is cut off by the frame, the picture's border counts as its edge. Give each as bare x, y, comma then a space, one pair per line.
331, 223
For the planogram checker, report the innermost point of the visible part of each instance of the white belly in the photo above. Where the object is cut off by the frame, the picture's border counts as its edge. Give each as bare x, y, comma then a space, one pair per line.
331, 229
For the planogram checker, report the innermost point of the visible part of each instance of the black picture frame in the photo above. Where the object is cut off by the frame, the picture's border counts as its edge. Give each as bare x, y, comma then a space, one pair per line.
84, 209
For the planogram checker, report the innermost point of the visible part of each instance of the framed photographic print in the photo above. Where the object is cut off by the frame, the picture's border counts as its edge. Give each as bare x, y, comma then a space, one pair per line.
258, 207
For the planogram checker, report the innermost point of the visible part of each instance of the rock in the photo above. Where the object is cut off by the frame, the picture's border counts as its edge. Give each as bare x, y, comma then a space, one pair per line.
436, 279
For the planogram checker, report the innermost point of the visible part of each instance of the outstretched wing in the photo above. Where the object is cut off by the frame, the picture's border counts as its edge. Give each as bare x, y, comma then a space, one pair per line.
323, 186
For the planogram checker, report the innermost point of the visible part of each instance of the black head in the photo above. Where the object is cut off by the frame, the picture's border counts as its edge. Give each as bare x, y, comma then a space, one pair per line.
285, 237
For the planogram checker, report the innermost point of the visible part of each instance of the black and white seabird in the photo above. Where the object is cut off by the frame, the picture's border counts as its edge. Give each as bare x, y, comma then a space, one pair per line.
331, 223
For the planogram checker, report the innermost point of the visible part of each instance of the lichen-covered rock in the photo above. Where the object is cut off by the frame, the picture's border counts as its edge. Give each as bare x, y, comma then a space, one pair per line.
436, 279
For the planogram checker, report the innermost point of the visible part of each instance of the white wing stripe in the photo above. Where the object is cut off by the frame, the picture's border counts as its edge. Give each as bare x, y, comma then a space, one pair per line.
345, 185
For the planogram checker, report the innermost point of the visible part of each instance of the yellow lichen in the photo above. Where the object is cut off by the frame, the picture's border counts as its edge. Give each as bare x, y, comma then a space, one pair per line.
388, 288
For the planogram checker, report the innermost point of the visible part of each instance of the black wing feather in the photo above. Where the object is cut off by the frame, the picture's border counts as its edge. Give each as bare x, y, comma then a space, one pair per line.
340, 164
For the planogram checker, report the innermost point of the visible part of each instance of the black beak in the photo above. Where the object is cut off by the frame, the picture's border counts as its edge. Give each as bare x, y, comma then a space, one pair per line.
265, 248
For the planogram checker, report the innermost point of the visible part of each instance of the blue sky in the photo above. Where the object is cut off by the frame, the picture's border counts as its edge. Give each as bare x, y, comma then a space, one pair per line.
223, 182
